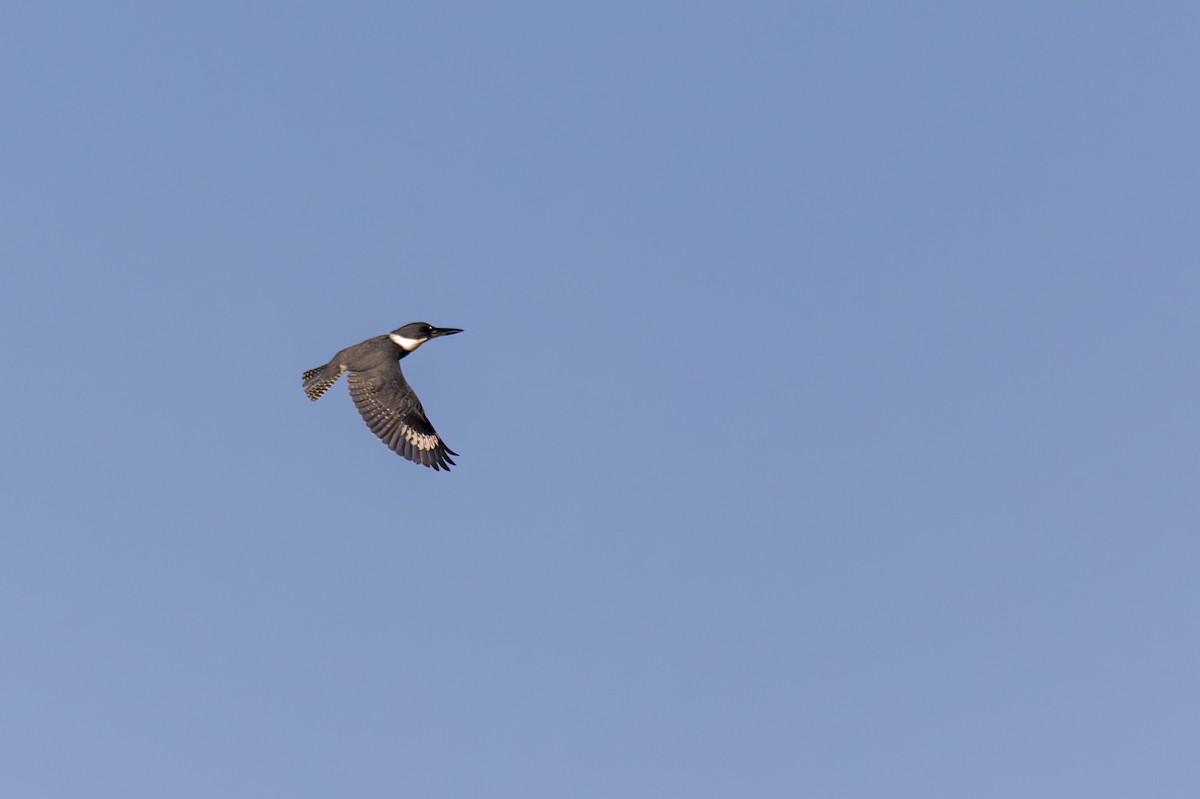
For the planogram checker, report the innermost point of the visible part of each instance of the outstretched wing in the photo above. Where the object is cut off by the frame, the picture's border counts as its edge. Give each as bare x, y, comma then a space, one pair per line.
391, 409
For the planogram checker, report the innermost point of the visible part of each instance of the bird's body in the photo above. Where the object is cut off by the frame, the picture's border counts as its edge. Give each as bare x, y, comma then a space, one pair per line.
387, 403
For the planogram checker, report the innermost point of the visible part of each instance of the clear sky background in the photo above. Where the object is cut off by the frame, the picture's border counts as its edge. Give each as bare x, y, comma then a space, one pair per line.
826, 407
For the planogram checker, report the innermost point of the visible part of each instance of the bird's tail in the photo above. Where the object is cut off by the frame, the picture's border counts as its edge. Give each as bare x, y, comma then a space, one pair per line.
317, 381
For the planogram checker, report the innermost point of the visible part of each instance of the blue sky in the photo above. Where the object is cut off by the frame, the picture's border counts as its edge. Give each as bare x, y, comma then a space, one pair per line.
826, 405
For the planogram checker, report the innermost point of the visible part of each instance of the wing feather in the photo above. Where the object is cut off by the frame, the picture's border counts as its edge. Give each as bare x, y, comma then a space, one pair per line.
392, 411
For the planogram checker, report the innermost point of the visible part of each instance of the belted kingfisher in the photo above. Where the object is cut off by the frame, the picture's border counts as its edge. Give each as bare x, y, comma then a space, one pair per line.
387, 403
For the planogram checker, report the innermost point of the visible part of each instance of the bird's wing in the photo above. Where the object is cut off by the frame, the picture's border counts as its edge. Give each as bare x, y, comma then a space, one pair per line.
391, 409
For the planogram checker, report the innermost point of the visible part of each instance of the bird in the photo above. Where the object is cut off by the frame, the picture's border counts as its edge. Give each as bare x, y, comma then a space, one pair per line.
386, 401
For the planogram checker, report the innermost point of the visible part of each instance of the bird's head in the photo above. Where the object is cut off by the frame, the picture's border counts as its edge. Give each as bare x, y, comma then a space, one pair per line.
414, 334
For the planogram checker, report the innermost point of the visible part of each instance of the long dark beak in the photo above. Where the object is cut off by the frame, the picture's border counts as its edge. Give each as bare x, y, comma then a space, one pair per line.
444, 331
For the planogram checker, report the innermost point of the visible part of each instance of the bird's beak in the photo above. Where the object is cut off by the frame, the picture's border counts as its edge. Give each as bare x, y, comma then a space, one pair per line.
444, 331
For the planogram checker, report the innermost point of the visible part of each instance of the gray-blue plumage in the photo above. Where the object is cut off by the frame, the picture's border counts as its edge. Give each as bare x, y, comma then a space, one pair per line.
386, 401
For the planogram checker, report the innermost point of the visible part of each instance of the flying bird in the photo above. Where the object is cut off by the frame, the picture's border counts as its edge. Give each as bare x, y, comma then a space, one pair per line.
386, 401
